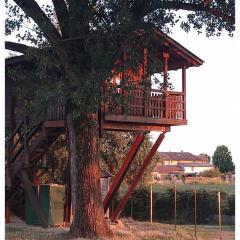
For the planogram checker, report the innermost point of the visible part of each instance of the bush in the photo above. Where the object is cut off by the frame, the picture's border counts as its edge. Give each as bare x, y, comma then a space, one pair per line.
163, 205
211, 173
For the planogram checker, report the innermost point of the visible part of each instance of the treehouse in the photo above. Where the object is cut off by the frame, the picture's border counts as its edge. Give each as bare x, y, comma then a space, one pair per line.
146, 108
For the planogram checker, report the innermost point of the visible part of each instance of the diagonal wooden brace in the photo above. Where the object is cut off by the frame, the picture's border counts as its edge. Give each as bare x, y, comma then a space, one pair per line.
33, 198
122, 171
137, 177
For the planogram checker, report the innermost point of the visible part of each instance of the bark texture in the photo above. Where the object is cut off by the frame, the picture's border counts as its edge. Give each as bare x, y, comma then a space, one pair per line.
88, 215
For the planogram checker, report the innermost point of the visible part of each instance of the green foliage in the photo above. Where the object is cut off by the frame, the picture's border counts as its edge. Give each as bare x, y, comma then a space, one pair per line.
163, 205
55, 167
82, 42
211, 173
113, 149
140, 204
223, 160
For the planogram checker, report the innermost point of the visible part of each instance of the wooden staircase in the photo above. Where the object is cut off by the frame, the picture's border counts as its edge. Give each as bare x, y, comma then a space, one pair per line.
24, 149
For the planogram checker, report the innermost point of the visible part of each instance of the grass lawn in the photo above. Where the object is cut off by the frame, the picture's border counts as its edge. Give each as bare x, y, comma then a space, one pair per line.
132, 230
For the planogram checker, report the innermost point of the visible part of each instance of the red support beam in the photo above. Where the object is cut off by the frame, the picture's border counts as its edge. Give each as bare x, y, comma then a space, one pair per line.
184, 90
137, 177
123, 170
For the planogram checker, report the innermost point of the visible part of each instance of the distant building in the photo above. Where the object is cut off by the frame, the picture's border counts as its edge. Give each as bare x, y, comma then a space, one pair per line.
174, 158
172, 164
195, 168
161, 172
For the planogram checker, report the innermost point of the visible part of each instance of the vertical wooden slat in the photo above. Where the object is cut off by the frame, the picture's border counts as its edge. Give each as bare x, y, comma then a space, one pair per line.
195, 212
219, 214
26, 147
175, 207
151, 204
184, 91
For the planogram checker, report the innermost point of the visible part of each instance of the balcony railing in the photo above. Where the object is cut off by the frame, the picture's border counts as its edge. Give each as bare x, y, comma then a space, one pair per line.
150, 103
146, 106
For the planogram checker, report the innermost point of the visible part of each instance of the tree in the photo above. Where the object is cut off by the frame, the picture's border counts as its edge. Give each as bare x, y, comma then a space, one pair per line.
83, 47
113, 149
222, 159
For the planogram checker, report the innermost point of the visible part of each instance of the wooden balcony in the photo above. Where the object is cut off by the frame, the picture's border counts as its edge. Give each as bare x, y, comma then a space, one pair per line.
143, 110
151, 110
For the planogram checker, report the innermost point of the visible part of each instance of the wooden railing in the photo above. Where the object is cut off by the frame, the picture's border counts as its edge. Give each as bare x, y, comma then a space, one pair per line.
150, 103
57, 113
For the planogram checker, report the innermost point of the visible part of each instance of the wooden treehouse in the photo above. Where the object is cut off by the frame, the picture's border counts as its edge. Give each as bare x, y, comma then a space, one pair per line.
146, 109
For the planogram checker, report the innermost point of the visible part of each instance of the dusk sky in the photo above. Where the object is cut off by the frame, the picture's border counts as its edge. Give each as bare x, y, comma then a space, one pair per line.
211, 97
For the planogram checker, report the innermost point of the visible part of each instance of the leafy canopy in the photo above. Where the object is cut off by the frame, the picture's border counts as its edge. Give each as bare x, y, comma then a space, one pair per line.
81, 40
222, 159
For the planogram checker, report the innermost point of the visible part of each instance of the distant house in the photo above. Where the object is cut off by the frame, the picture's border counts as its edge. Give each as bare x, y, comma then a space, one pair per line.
174, 158
195, 168
161, 172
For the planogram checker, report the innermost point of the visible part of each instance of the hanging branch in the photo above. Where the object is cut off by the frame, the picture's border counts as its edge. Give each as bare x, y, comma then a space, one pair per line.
32, 10
144, 7
62, 15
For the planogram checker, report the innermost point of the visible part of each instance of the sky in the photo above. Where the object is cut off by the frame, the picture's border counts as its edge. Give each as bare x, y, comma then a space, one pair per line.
211, 97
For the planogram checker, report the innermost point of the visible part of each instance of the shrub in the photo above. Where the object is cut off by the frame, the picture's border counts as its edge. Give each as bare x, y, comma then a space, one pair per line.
211, 173
163, 205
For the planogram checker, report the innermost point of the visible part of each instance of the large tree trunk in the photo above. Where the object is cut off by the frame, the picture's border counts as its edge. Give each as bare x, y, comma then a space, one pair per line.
88, 215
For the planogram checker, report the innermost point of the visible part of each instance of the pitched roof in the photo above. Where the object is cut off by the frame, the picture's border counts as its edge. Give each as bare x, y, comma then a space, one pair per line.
179, 50
168, 168
196, 165
179, 156
105, 174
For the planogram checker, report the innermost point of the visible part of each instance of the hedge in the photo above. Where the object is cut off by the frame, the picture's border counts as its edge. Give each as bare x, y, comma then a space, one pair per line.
163, 206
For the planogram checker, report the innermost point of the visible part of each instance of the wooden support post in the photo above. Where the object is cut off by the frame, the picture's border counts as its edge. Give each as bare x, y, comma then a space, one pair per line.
33, 198
195, 213
131, 209
7, 212
123, 170
219, 214
137, 177
184, 92
175, 207
165, 81
26, 147
67, 215
151, 203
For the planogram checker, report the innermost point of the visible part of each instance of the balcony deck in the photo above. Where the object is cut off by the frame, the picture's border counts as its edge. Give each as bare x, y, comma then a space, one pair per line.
153, 110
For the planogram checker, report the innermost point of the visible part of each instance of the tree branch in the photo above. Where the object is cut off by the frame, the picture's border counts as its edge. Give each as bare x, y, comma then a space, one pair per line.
200, 8
17, 47
79, 14
32, 10
62, 15
146, 6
